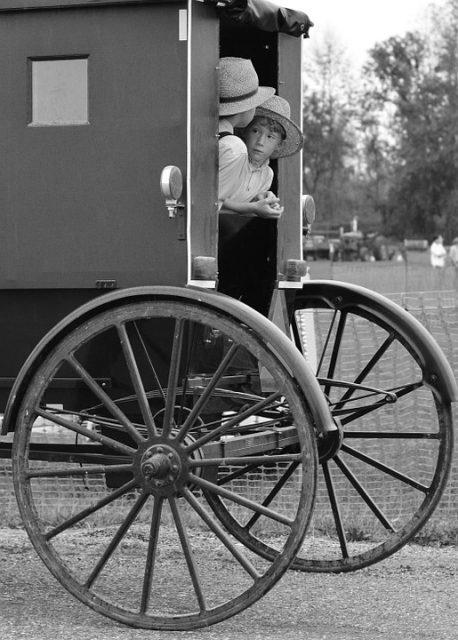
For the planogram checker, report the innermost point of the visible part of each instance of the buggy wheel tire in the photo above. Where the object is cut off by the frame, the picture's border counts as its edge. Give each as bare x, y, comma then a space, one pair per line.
159, 399
390, 389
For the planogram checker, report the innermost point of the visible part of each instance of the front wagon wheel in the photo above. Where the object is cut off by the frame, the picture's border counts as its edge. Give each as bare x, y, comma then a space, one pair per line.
384, 471
159, 400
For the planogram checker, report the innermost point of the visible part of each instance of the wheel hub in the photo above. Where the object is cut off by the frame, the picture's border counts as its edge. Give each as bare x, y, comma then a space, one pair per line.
160, 466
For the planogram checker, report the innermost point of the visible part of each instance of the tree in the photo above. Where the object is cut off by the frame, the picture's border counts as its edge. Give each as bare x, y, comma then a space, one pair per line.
329, 165
412, 94
388, 151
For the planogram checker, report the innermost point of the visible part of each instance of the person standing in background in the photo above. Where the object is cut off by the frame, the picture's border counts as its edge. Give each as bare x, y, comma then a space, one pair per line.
437, 252
453, 253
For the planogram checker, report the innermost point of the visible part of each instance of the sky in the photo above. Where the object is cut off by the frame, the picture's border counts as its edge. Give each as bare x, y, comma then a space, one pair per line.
361, 23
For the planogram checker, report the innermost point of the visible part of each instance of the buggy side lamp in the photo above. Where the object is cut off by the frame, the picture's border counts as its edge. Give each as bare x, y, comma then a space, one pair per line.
172, 188
308, 213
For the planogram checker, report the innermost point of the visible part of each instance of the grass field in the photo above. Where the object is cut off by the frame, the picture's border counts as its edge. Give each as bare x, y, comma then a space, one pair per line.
415, 274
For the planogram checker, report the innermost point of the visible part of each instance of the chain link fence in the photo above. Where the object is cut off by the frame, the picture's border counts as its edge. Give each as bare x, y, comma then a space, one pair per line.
436, 308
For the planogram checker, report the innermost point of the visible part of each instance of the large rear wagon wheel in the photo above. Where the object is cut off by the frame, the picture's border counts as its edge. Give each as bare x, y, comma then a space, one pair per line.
162, 398
384, 471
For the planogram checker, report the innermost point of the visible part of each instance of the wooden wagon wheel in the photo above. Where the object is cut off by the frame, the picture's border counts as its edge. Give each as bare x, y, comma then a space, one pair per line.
117, 511
390, 390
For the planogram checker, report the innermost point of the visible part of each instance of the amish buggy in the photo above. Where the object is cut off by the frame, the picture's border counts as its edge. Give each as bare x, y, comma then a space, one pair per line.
171, 444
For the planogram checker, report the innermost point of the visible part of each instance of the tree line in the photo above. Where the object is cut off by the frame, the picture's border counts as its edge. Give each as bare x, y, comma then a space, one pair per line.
384, 147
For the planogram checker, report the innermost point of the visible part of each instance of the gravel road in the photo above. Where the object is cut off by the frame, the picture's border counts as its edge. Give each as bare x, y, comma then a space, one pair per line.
411, 596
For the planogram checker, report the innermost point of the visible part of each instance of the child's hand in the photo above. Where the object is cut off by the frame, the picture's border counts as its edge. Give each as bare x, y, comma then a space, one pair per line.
262, 195
265, 205
268, 205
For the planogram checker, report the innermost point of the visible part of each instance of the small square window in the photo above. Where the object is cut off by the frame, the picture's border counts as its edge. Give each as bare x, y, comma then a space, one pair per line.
59, 91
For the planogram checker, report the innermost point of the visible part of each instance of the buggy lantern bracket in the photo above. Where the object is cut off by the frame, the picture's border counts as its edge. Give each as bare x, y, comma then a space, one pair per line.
171, 189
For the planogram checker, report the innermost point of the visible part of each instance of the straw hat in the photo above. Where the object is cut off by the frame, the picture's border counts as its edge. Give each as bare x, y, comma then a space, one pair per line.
278, 109
239, 88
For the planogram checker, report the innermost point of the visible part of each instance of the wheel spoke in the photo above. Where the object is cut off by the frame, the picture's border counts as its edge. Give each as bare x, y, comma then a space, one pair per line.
335, 510
89, 414
92, 509
238, 499
172, 385
238, 473
207, 393
222, 535
385, 468
363, 493
232, 422
335, 349
326, 343
376, 358
88, 433
136, 380
187, 551
152, 368
119, 535
273, 493
105, 399
151, 554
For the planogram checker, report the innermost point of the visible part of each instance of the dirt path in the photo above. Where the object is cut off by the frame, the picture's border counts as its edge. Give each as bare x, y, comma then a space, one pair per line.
410, 596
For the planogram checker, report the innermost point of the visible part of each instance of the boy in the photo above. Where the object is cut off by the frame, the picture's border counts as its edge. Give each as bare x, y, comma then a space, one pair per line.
247, 243
239, 95
245, 182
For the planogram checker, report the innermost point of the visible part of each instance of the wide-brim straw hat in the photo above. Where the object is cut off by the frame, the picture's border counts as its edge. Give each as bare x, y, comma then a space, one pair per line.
278, 109
239, 88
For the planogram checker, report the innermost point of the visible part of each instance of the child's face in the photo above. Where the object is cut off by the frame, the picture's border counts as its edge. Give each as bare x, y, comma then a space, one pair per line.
261, 142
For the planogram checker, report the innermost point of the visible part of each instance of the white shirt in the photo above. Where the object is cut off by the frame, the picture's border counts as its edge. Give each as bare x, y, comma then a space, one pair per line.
238, 178
438, 254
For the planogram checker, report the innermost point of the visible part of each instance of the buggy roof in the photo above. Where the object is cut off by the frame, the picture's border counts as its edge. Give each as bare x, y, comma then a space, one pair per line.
266, 16
262, 14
